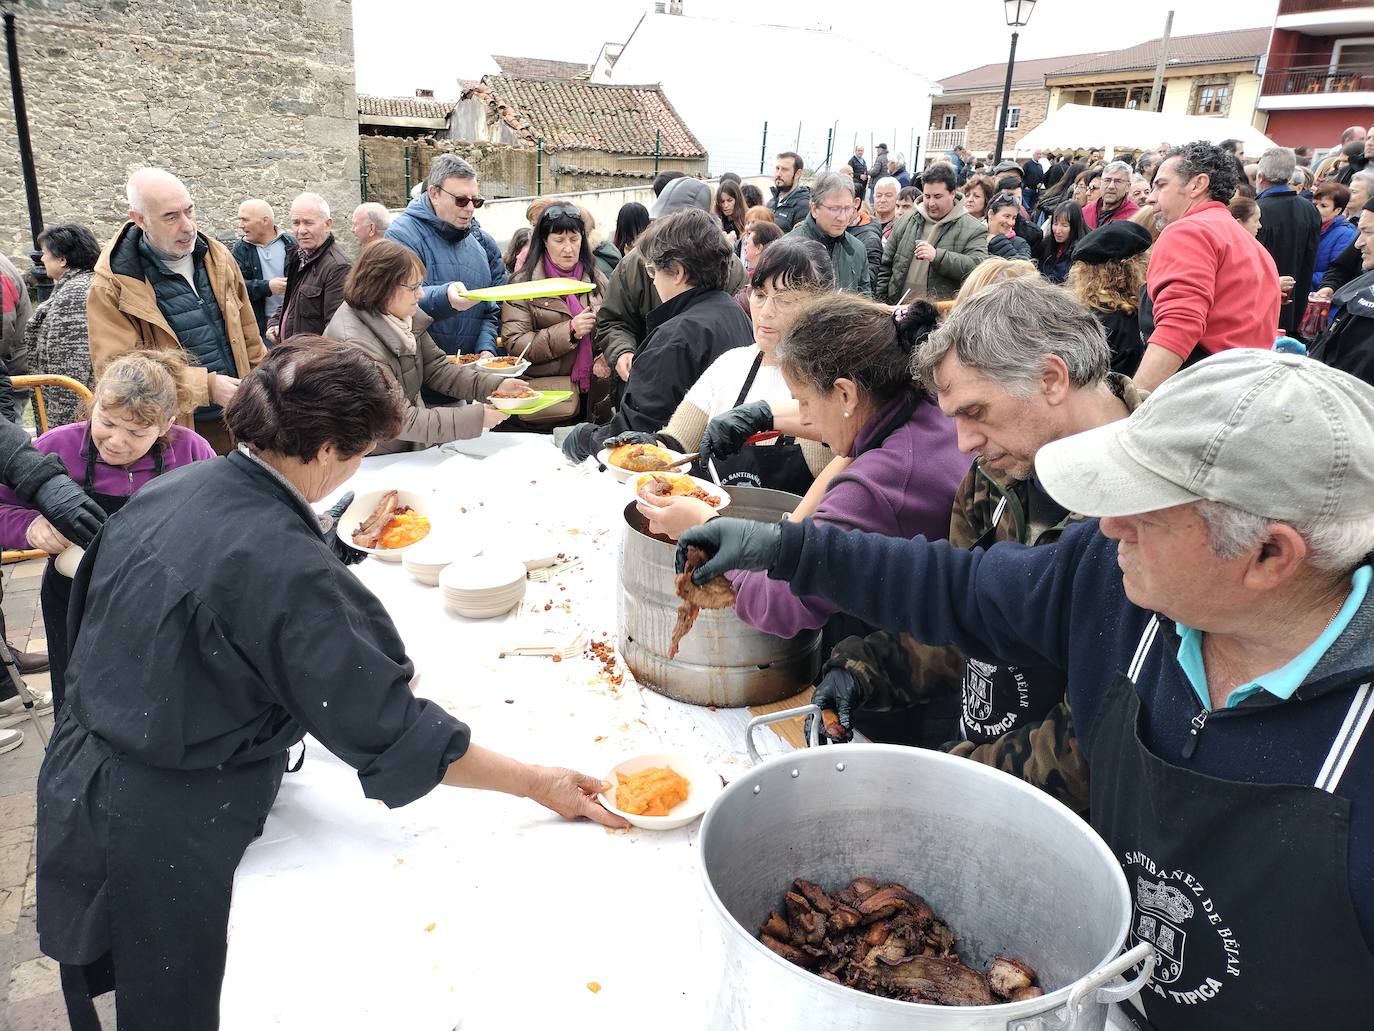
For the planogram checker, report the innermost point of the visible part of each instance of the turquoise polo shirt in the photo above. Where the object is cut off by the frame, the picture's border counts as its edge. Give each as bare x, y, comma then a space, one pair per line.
1282, 682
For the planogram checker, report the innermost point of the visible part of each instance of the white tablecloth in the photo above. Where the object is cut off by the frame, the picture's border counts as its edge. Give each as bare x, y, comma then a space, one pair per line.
470, 907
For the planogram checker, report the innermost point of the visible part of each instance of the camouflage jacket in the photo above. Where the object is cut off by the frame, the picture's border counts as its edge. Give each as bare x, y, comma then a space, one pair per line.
1013, 718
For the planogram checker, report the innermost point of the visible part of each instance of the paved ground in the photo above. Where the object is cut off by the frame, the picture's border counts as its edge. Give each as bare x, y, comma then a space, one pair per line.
30, 999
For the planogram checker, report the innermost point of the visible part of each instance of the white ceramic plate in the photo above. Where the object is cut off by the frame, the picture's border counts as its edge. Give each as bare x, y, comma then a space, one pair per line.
620, 474
706, 485
703, 785
510, 373
485, 574
67, 561
427, 558
365, 504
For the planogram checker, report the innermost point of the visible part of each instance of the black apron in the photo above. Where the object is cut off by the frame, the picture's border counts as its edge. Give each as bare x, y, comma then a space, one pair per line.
996, 700
56, 592
779, 465
1225, 878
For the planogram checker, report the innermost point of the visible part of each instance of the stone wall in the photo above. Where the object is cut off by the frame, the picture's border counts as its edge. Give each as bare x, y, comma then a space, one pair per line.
982, 119
242, 98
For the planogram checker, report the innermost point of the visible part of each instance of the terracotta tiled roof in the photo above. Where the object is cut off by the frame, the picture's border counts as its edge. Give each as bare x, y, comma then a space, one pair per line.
403, 107
1026, 73
540, 68
1205, 48
572, 114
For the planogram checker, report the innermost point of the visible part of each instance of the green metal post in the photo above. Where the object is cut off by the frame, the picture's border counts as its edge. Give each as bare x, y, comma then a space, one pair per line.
407, 156
539, 166
763, 148
829, 145
658, 148
362, 172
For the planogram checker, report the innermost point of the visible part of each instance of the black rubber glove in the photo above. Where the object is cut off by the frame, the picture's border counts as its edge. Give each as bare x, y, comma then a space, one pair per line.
70, 510
727, 432
577, 445
839, 692
732, 544
629, 437
329, 521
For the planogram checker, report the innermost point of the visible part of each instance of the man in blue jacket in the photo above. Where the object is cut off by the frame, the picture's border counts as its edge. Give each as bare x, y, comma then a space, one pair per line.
1215, 628
441, 227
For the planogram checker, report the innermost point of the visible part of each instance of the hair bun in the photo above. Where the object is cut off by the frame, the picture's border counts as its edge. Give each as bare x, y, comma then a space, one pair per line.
915, 322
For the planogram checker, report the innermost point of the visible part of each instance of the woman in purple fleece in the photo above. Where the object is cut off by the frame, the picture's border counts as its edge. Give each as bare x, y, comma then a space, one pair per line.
130, 437
847, 362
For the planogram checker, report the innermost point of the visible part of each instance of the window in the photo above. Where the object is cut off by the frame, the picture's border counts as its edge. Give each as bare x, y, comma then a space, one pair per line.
1353, 56
1213, 98
948, 121
1013, 118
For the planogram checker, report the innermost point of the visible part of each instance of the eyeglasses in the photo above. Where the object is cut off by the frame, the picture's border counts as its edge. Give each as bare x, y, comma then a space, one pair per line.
559, 210
414, 288
783, 300
463, 202
1114, 181
835, 211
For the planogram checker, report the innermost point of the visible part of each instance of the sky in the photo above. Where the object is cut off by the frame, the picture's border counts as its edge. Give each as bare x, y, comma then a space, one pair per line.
439, 41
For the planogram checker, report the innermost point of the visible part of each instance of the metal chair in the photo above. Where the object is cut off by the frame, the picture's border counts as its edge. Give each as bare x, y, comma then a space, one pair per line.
40, 412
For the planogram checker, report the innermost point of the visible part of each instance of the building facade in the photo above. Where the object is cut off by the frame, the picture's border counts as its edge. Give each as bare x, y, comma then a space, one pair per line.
967, 113
1319, 73
253, 98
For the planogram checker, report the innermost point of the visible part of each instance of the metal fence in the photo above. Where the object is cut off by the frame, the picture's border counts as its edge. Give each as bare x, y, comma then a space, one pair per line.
752, 151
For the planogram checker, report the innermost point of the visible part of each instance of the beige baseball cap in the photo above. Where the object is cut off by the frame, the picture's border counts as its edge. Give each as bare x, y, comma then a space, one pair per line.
1275, 435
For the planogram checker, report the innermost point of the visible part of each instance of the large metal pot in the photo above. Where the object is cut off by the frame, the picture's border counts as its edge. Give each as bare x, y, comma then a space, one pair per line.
722, 661
1009, 868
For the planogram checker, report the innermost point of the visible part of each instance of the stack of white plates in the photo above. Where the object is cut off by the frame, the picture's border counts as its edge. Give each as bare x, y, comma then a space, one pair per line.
427, 558
480, 588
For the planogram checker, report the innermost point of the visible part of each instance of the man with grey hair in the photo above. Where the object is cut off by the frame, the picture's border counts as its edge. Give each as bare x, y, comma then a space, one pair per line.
441, 227
1020, 365
316, 269
1115, 203
369, 224
832, 209
885, 192
162, 285
1290, 230
1214, 621
261, 255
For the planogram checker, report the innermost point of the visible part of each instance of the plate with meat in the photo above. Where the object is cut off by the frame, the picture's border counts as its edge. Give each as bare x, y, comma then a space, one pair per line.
679, 485
510, 396
624, 461
385, 522
662, 791
466, 359
527, 402
503, 364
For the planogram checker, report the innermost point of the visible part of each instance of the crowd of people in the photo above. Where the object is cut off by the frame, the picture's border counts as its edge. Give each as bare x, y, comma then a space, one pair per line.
1088, 403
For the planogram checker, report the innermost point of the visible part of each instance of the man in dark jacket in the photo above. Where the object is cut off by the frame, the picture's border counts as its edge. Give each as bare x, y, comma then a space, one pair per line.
1290, 230
878, 169
860, 167
1216, 637
790, 200
696, 323
1359, 157
832, 209
1346, 265
621, 324
1348, 343
262, 256
315, 272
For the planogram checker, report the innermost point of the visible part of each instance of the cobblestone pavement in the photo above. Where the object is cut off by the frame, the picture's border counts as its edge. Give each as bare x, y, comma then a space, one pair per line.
30, 997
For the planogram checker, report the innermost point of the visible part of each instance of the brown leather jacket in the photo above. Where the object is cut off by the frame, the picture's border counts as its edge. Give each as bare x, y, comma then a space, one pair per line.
122, 314
544, 321
428, 366
314, 290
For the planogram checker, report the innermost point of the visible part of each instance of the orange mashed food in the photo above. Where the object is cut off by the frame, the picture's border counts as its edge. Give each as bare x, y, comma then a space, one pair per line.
650, 792
405, 528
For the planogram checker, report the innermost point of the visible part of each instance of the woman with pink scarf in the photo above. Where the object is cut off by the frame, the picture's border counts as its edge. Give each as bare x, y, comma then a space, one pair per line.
558, 330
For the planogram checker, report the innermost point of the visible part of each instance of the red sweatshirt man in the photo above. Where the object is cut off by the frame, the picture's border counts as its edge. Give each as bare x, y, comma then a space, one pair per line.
1210, 284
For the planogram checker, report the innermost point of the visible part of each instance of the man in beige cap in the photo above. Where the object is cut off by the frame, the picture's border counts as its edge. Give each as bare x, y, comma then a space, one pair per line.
1215, 627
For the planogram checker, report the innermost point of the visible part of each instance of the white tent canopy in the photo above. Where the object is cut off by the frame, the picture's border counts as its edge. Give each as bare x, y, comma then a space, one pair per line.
1075, 126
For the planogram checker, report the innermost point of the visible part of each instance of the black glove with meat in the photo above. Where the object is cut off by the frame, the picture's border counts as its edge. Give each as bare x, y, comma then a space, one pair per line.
727, 432
838, 695
732, 544
349, 556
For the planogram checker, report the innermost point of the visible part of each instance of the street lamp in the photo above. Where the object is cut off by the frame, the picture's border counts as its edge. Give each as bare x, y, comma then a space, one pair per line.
1018, 14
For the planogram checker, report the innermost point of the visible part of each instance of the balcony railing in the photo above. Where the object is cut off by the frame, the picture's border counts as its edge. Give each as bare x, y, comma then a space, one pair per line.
1310, 79
945, 139
1314, 6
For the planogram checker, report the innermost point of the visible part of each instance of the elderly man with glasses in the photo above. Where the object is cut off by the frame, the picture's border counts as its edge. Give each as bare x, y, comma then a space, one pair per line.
1115, 204
441, 227
832, 209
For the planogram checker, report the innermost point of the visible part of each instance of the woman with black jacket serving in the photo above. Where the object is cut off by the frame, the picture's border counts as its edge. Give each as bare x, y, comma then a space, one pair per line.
216, 626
